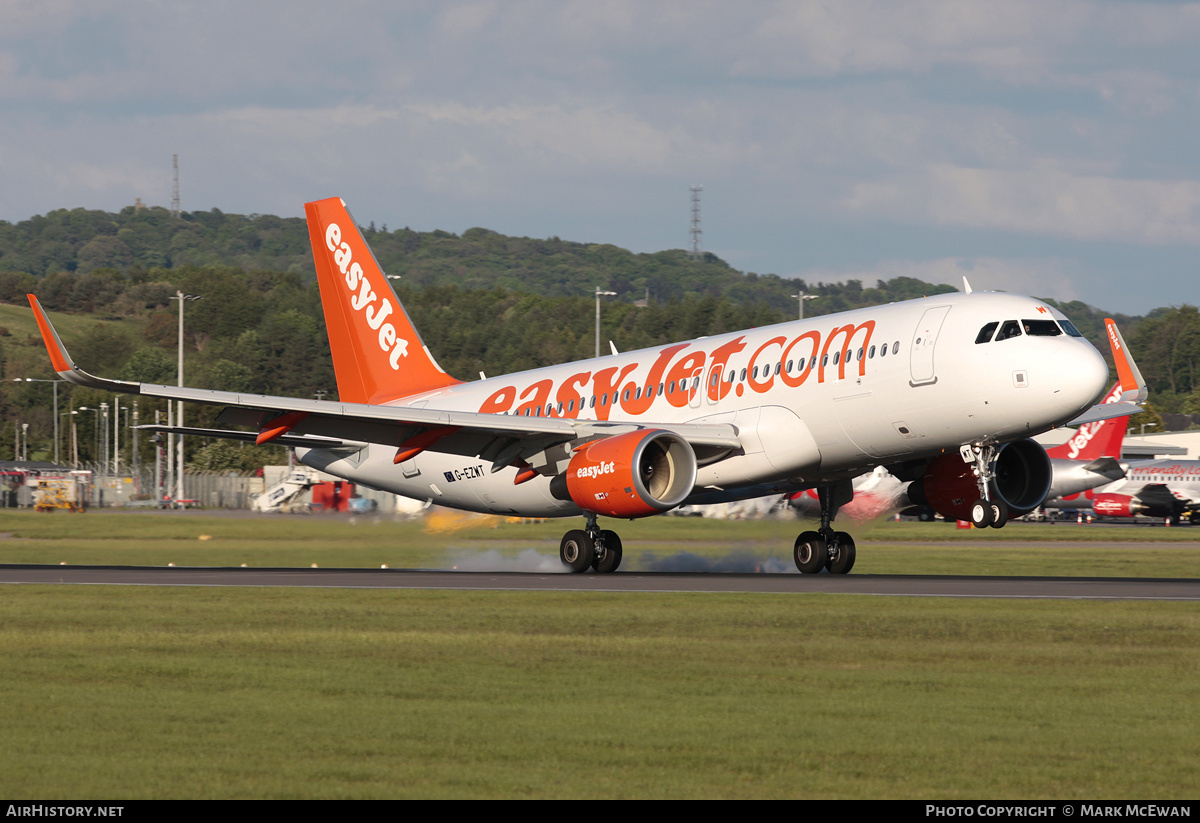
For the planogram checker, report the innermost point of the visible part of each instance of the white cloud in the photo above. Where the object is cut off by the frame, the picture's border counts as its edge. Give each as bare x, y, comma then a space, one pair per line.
1044, 200
1054, 278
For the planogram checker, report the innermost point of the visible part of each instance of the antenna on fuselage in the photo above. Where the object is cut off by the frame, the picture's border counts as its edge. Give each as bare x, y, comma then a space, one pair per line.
966, 285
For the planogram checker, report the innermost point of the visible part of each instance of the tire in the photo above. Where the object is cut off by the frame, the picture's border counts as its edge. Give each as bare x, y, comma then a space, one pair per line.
846, 554
576, 551
612, 554
981, 514
999, 514
810, 553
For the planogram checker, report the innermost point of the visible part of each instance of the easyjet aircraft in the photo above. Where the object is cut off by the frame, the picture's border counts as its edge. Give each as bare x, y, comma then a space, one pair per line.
945, 390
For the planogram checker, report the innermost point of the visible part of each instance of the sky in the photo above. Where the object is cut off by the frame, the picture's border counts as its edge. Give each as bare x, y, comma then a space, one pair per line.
1047, 148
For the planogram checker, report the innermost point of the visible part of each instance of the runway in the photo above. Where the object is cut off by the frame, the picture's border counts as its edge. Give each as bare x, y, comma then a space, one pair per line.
1072, 588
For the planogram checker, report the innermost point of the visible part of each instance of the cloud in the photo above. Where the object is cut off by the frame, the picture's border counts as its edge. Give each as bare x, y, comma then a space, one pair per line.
1044, 200
1051, 277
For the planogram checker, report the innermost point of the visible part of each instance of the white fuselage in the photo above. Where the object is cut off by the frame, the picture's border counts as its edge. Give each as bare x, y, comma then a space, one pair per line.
1180, 477
812, 401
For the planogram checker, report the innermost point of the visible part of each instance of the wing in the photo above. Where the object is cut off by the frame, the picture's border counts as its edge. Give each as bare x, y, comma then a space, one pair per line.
503, 439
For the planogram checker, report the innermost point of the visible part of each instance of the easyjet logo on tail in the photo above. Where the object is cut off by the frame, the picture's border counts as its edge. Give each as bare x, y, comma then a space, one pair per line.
362, 297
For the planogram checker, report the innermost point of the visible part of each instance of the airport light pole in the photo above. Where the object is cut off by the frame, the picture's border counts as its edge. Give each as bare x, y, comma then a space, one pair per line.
801, 297
55, 382
600, 294
97, 427
181, 297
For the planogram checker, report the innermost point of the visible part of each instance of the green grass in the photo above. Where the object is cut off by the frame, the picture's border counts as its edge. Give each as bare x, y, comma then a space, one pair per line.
130, 692
122, 538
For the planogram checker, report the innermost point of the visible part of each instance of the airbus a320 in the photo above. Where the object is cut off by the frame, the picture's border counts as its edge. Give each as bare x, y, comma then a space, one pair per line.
944, 391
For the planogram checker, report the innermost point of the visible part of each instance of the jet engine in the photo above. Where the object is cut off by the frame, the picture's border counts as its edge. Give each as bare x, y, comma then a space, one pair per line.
1154, 500
635, 474
1023, 475
1116, 505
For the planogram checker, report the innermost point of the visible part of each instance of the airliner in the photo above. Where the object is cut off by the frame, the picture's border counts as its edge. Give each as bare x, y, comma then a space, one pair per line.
1091, 457
1169, 489
1166, 488
945, 391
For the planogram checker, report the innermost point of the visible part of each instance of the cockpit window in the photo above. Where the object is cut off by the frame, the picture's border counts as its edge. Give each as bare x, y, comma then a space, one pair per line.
1011, 328
985, 334
1069, 328
1041, 328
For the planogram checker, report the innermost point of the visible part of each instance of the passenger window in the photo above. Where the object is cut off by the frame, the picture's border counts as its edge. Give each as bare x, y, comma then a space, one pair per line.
985, 334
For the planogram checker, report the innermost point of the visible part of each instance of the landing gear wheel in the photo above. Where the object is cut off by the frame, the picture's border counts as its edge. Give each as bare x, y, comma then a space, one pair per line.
981, 514
810, 553
999, 514
611, 560
844, 562
577, 551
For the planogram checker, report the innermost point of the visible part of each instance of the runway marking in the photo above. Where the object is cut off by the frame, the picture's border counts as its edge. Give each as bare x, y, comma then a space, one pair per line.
1017, 588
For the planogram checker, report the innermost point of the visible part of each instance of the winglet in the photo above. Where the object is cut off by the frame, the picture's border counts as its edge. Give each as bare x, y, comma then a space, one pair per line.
1127, 370
62, 361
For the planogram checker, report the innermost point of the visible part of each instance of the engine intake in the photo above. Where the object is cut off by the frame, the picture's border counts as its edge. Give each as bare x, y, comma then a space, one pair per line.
1022, 480
635, 474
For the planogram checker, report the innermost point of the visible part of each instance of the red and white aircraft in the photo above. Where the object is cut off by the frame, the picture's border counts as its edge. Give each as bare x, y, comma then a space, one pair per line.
943, 390
1166, 488
1090, 458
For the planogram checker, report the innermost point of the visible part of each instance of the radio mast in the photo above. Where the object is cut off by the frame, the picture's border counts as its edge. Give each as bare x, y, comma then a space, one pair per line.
696, 231
175, 187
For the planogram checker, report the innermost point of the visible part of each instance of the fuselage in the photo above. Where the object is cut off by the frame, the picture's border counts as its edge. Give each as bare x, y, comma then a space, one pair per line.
1179, 478
812, 400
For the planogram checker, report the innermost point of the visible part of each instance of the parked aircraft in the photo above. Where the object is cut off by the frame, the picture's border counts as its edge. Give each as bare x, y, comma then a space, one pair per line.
943, 390
1091, 457
1169, 489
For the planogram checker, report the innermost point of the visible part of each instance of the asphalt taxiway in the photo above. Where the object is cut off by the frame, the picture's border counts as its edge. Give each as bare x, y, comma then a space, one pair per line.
1092, 588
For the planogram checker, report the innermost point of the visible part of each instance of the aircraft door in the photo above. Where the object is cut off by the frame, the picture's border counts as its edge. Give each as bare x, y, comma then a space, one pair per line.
695, 388
921, 362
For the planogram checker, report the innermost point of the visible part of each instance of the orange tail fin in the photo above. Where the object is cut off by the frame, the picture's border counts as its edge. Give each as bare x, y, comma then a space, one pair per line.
1102, 438
378, 355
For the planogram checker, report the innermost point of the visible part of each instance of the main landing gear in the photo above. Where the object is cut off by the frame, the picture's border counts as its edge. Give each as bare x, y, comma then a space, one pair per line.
825, 548
591, 548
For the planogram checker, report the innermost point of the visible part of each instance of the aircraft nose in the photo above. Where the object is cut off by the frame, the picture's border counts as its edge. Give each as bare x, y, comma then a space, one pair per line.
1079, 377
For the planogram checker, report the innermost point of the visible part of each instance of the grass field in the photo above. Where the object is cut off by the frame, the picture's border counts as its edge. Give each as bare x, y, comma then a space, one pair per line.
448, 540
131, 692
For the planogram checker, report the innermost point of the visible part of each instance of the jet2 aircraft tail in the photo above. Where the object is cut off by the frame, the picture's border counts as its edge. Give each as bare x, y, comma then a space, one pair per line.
378, 356
1102, 438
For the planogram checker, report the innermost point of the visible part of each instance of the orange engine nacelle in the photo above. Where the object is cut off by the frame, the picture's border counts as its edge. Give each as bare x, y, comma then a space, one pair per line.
1023, 475
632, 475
